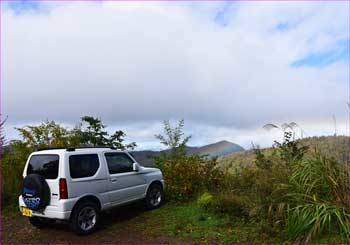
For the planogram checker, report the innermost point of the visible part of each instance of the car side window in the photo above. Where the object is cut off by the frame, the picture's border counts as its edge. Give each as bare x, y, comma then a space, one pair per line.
85, 165
118, 163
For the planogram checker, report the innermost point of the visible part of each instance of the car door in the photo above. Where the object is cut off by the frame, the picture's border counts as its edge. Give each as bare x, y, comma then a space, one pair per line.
124, 183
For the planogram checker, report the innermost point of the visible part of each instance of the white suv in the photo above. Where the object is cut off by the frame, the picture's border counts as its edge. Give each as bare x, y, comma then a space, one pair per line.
76, 184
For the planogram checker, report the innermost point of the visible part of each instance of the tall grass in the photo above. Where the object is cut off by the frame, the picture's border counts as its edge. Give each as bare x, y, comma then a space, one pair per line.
320, 203
312, 219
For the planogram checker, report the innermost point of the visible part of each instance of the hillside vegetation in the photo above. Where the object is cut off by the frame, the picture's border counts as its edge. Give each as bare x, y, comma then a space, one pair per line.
296, 191
331, 146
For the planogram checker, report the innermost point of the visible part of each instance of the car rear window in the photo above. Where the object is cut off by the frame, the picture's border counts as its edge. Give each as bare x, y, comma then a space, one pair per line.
44, 165
81, 166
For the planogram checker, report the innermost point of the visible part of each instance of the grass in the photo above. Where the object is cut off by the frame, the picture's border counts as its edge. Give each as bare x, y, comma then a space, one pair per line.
187, 223
10, 211
190, 223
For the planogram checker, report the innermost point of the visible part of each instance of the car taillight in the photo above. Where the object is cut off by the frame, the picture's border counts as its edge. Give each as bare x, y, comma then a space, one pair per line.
63, 189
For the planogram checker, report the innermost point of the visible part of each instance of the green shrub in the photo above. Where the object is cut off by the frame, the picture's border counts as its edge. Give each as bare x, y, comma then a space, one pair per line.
186, 177
264, 185
227, 203
12, 164
204, 200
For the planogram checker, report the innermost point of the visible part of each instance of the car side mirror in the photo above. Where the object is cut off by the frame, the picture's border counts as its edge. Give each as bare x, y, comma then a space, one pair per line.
135, 167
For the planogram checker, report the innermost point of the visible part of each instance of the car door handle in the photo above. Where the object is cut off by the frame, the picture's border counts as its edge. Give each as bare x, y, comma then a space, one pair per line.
114, 180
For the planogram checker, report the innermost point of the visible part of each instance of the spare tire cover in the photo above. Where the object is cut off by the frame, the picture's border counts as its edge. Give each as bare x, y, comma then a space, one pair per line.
36, 192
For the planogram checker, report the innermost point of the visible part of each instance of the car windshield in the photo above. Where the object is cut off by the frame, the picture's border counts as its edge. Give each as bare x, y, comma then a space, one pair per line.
44, 165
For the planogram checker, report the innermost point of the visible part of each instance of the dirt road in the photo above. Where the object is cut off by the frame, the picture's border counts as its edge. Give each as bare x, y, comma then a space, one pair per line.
121, 225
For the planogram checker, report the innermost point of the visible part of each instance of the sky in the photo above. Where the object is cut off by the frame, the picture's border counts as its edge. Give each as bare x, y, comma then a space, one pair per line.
226, 68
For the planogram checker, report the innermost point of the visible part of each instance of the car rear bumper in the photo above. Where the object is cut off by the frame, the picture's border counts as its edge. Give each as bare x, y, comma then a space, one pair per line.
51, 212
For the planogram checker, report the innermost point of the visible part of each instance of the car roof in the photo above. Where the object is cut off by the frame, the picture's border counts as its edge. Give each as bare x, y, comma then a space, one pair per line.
77, 150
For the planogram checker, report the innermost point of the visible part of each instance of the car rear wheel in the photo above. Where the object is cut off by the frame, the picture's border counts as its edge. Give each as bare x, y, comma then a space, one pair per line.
85, 218
154, 196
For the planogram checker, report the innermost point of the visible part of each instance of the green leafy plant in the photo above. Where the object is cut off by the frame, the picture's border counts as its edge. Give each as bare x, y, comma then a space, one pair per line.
307, 221
228, 203
320, 203
186, 176
204, 200
174, 139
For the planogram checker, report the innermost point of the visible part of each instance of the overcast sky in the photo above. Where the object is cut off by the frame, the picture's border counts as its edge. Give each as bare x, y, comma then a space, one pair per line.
227, 68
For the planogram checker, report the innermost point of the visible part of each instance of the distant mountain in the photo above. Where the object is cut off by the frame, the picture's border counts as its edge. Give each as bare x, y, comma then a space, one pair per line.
218, 149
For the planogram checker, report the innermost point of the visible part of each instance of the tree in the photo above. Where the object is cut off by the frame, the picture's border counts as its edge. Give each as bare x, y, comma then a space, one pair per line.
89, 132
92, 131
174, 139
47, 134
116, 141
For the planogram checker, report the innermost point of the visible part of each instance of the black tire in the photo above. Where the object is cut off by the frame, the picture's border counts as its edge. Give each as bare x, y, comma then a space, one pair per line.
77, 219
41, 222
35, 192
154, 196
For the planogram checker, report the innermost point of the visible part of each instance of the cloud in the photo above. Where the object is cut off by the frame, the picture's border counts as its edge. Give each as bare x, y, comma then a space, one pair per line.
135, 64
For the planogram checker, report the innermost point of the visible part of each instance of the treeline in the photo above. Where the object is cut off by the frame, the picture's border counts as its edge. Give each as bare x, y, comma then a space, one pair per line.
89, 131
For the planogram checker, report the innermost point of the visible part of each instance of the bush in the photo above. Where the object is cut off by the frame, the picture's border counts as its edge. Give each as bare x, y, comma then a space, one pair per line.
204, 200
186, 177
227, 203
12, 164
264, 185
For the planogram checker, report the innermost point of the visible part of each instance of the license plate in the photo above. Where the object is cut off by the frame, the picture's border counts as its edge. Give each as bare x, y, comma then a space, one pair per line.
27, 212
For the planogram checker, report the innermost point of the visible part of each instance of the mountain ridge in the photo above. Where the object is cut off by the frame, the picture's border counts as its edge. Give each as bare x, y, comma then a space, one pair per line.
217, 149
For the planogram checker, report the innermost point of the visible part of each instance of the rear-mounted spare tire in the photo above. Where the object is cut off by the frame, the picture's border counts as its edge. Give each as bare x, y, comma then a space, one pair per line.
36, 192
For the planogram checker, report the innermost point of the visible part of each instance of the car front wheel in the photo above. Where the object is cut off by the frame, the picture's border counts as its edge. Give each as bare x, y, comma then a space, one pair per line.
154, 196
